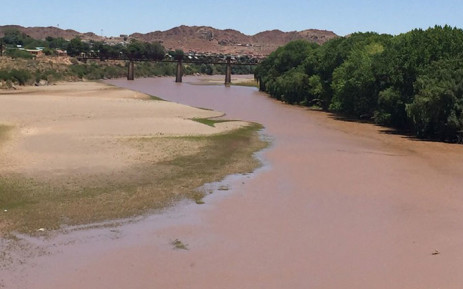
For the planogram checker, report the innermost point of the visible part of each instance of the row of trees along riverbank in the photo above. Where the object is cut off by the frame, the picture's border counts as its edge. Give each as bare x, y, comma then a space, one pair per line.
19, 67
412, 82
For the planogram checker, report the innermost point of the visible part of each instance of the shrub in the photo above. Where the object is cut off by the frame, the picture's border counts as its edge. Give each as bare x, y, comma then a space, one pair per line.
20, 76
16, 53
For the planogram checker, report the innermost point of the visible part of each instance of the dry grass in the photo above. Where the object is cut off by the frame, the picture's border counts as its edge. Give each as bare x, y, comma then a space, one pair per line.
31, 204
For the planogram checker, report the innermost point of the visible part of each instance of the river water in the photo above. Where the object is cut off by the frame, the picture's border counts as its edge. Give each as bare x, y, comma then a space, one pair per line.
337, 205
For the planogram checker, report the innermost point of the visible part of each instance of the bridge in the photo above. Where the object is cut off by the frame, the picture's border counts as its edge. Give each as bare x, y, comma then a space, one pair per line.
195, 58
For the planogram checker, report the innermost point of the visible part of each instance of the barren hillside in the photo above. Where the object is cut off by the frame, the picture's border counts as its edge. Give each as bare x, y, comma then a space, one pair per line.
208, 39
43, 32
194, 38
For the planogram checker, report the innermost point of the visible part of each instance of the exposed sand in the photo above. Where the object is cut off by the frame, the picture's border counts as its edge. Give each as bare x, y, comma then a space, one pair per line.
80, 128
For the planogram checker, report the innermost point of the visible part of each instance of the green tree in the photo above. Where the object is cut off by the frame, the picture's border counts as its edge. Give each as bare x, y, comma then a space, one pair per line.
154, 51
293, 86
134, 50
56, 43
105, 51
390, 108
271, 72
16, 37
354, 84
76, 46
437, 108
178, 54
406, 56
137, 50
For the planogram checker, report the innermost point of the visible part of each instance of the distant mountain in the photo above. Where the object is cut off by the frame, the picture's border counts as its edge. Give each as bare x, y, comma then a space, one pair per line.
208, 39
43, 32
194, 38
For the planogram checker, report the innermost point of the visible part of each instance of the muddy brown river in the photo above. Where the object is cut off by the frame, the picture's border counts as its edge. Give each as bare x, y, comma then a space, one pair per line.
336, 205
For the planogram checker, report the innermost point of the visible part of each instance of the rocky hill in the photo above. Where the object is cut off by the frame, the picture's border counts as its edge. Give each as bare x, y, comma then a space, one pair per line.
208, 39
43, 32
194, 38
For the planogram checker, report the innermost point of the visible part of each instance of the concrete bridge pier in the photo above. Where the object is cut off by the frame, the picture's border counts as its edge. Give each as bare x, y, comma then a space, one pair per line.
179, 74
131, 71
228, 72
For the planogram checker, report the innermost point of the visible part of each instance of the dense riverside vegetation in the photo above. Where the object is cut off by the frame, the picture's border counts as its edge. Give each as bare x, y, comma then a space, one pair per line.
412, 82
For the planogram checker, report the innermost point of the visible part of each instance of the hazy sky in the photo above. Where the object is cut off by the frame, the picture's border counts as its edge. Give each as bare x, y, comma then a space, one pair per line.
115, 17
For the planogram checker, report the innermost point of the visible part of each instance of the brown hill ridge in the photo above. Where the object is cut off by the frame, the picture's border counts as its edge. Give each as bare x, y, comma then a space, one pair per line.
194, 38
208, 39
43, 32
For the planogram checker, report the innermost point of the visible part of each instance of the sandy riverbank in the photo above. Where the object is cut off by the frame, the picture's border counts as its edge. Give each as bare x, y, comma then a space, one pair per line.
69, 127
88, 138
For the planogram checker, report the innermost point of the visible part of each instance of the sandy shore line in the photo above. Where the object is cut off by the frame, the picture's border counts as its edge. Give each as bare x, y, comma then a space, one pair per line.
80, 143
79, 127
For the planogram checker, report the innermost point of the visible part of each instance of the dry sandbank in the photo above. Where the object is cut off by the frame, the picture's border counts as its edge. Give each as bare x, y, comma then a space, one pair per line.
79, 126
